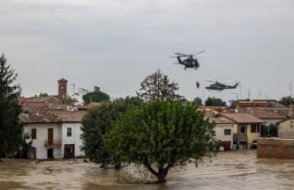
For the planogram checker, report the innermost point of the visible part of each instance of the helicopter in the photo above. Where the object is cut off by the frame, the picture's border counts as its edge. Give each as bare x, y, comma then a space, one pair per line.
221, 86
189, 61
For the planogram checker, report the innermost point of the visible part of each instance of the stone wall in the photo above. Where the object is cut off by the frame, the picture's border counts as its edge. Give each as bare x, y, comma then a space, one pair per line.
275, 148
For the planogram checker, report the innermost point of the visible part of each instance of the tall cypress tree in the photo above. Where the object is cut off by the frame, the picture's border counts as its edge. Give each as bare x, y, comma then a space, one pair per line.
10, 128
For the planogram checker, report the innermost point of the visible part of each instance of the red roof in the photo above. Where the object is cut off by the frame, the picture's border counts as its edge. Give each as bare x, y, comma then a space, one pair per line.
242, 117
51, 116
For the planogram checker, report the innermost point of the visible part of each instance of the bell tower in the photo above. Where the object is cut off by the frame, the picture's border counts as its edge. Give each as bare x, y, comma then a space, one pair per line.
62, 91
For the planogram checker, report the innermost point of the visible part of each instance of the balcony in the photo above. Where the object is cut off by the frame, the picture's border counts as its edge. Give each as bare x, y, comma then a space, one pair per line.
52, 144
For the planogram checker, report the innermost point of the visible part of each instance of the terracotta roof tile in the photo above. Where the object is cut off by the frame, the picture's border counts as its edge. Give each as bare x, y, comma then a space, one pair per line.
242, 117
51, 116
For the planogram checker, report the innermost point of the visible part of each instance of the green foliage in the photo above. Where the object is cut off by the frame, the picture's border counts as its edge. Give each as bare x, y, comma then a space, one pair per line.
286, 100
270, 130
95, 124
158, 87
10, 128
197, 101
95, 96
212, 101
161, 135
43, 94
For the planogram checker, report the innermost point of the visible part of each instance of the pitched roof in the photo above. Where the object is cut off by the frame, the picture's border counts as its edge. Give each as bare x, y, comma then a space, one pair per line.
38, 102
38, 116
258, 103
242, 117
51, 116
221, 120
264, 114
69, 116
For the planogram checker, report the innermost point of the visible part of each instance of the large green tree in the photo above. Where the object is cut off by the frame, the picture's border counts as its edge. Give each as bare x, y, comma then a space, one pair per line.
157, 86
161, 135
95, 124
96, 96
10, 128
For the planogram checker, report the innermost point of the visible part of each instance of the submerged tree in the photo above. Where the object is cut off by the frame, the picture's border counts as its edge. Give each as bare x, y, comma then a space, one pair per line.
157, 86
161, 135
95, 124
10, 128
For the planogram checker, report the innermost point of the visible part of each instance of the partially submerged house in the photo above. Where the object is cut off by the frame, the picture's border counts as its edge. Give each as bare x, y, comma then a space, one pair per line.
223, 131
53, 125
246, 130
53, 134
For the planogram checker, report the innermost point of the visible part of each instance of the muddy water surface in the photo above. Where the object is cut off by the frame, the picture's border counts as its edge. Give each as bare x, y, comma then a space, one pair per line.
230, 170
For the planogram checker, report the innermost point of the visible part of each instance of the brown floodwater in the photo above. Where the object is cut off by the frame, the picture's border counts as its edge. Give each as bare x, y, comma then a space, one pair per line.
228, 170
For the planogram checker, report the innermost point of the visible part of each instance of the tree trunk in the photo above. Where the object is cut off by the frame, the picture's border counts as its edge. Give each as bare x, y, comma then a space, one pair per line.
161, 174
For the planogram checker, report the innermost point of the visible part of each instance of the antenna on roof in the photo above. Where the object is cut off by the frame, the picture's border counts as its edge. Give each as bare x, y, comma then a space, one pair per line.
240, 90
73, 88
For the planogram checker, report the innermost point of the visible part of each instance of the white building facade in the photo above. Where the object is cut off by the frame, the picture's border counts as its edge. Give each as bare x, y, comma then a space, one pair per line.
56, 138
223, 128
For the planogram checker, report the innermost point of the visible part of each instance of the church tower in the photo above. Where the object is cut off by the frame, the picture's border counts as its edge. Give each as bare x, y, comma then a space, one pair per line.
62, 91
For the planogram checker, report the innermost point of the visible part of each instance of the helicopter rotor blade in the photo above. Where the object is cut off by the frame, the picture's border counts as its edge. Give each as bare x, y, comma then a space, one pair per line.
199, 52
210, 81
182, 55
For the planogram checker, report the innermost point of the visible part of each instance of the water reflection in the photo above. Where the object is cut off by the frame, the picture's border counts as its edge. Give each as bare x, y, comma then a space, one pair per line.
230, 170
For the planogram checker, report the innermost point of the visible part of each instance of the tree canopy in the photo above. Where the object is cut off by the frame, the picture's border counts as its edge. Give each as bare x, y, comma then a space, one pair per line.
286, 100
43, 94
96, 96
10, 128
95, 124
197, 101
157, 86
161, 135
212, 101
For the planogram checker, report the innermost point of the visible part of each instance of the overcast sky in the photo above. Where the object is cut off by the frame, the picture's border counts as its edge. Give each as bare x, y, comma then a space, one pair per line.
115, 44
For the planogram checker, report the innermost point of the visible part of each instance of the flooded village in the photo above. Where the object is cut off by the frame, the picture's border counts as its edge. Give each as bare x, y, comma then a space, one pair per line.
149, 95
55, 159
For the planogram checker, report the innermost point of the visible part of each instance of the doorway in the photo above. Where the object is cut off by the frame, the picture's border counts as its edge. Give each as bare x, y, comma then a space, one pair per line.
50, 153
69, 151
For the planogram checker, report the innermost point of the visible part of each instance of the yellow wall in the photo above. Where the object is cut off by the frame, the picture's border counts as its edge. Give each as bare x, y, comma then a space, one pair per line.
252, 136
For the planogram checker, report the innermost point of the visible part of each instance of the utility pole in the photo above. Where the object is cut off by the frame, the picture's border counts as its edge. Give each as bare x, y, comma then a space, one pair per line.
291, 107
240, 91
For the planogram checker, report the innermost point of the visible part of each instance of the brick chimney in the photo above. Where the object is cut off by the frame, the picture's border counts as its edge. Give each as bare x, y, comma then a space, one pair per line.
62, 91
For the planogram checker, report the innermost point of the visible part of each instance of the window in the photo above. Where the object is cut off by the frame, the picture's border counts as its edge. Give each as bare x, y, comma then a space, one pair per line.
34, 133
242, 128
254, 128
227, 131
69, 132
